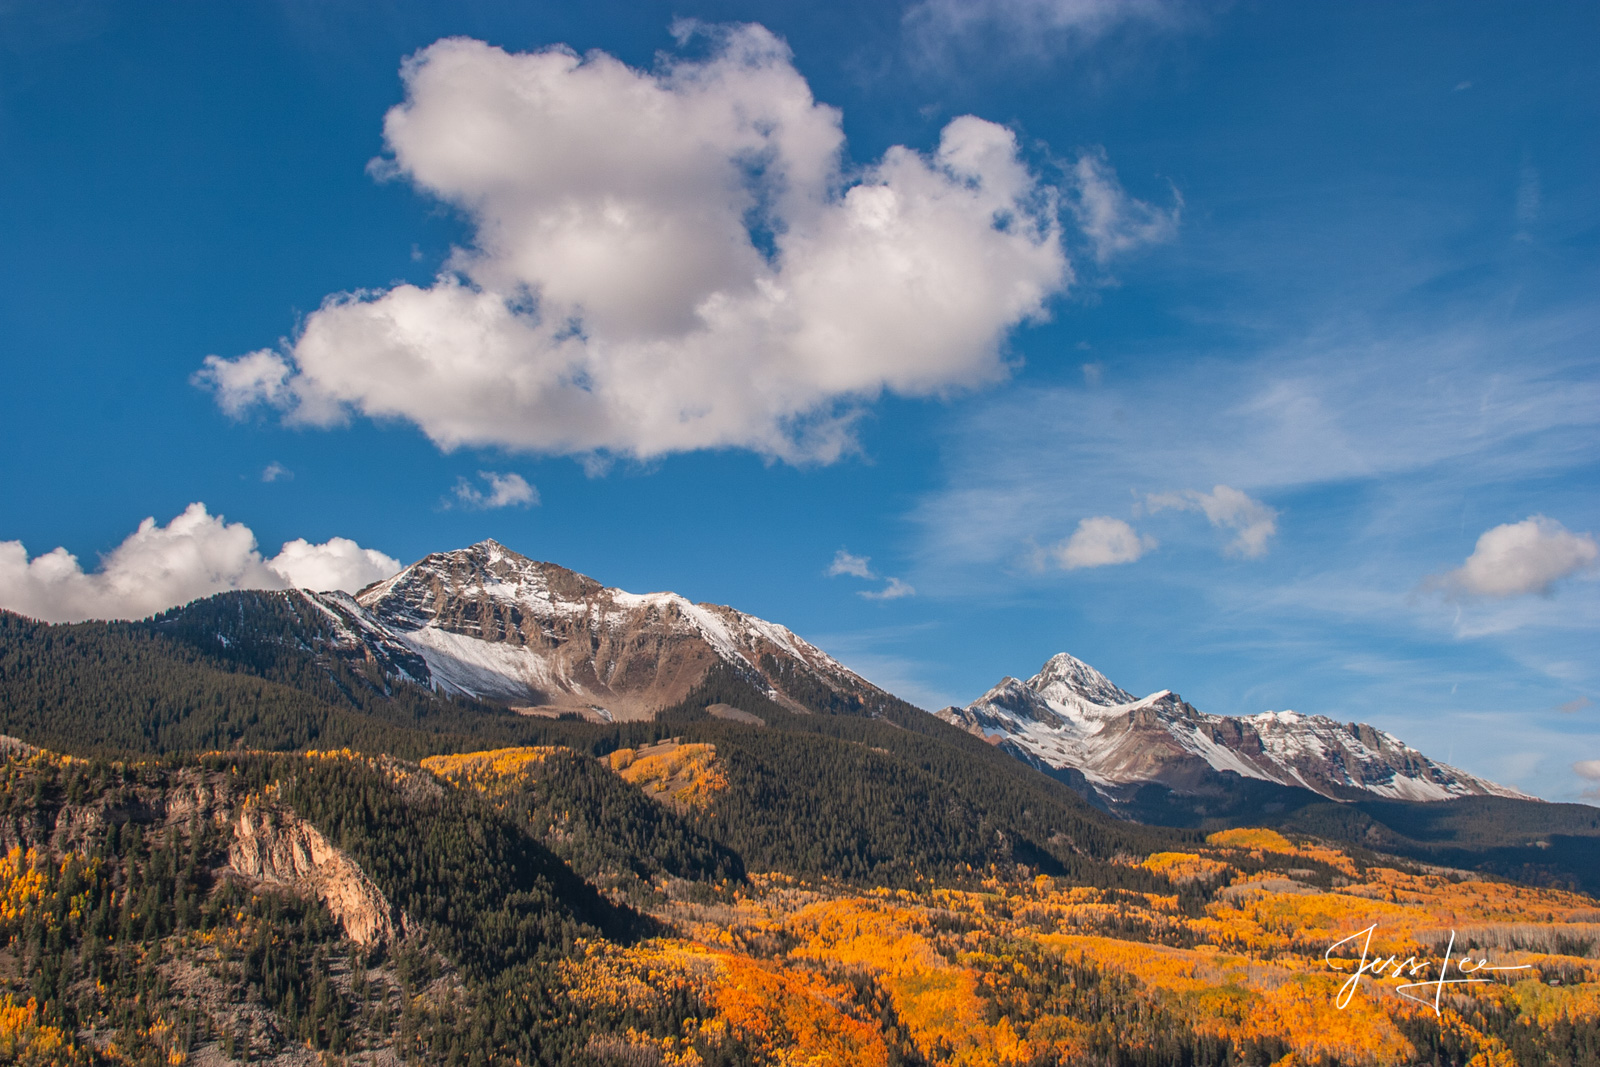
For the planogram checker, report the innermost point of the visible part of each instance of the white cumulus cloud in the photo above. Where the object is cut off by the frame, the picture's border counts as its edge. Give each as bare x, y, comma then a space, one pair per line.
158, 567
1253, 522
1518, 558
338, 563
504, 491
1100, 541
669, 260
239, 384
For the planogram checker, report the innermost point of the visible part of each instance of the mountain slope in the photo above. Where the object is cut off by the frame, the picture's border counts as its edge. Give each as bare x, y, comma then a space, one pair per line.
827, 775
832, 783
255, 670
1070, 717
487, 623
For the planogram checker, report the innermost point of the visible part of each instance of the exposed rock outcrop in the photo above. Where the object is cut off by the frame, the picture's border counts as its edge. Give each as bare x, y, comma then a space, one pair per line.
279, 848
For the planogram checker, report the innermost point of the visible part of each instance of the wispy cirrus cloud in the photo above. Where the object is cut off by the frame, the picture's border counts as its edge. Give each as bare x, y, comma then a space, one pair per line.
1114, 222
1313, 413
847, 564
1253, 522
939, 29
893, 589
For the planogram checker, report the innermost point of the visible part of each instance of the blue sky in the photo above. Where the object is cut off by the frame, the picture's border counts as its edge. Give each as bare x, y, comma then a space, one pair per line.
1246, 350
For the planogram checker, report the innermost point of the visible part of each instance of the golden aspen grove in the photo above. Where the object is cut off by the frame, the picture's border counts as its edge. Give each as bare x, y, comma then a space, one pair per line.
115, 954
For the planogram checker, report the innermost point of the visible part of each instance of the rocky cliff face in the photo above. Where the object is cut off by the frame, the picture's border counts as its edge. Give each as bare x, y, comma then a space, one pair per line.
279, 848
1069, 716
486, 622
269, 845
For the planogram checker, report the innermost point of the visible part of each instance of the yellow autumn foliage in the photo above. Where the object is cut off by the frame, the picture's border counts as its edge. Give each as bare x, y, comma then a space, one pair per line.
799, 974
789, 1016
1254, 972
1250, 839
485, 770
939, 1002
686, 774
1185, 866
23, 885
26, 1041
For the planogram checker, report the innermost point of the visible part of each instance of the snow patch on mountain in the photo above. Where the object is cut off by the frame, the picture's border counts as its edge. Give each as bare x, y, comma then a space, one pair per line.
485, 669
495, 625
1069, 715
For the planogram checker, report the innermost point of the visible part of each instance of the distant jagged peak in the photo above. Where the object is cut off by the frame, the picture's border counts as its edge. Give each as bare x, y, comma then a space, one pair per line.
1295, 738
1066, 679
1070, 716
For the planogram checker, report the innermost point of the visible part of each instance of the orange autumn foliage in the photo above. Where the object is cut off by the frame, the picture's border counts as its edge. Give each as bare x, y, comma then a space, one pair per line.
1243, 838
939, 1002
28, 1042
789, 1017
485, 771
792, 1016
686, 775
1255, 971
1185, 866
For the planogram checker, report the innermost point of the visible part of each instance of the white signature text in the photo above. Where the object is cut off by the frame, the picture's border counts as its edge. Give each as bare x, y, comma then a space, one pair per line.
1470, 969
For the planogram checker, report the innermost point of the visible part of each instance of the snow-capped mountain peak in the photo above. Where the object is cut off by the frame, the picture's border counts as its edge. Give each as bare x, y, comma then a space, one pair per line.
493, 624
1070, 717
1067, 681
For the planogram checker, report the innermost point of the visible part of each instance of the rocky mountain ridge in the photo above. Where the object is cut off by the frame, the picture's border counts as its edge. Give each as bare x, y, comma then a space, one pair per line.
489, 623
1072, 719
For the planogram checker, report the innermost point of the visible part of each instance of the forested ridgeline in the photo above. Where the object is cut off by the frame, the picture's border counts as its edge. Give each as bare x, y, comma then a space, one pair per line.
885, 794
865, 787
1529, 840
127, 689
